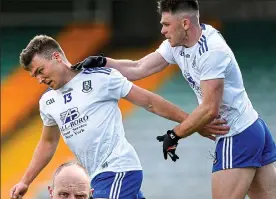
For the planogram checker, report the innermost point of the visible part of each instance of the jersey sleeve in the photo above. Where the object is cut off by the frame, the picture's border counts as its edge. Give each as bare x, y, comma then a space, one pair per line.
47, 119
166, 51
118, 86
214, 65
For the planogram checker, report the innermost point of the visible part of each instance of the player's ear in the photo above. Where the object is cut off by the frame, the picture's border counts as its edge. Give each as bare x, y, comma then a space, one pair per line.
50, 189
91, 193
57, 56
186, 24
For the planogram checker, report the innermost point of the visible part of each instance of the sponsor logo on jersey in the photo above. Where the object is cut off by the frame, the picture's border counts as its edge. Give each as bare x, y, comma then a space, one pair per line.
50, 101
71, 119
192, 83
86, 86
69, 115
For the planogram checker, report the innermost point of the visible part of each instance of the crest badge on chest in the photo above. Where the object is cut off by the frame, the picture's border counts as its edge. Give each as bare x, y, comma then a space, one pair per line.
87, 86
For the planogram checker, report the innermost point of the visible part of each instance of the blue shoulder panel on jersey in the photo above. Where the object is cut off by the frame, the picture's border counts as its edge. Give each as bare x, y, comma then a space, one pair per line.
97, 70
202, 25
203, 45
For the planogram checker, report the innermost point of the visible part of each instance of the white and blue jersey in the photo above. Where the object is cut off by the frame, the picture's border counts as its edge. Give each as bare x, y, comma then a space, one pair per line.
212, 58
90, 121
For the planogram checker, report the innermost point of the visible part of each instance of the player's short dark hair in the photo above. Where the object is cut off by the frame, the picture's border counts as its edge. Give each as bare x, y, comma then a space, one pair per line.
41, 45
175, 6
67, 164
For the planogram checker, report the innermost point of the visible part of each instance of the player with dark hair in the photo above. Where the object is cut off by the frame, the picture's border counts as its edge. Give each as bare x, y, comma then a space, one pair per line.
245, 155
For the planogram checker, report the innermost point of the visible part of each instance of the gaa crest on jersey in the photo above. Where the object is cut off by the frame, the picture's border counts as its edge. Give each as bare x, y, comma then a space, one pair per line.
86, 86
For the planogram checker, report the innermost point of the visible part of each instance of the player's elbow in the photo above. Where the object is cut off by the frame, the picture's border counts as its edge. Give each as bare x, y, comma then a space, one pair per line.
213, 113
211, 110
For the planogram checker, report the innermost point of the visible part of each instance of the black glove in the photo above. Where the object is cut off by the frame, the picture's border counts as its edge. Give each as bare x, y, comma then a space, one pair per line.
90, 62
170, 142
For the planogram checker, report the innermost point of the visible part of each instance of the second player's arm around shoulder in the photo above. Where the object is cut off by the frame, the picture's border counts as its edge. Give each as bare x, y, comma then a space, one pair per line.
131, 69
138, 69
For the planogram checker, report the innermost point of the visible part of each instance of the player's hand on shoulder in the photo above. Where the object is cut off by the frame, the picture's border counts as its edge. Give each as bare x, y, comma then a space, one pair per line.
91, 62
217, 127
170, 142
18, 190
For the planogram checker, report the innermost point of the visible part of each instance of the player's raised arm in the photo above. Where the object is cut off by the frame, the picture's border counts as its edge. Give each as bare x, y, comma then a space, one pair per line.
42, 155
135, 70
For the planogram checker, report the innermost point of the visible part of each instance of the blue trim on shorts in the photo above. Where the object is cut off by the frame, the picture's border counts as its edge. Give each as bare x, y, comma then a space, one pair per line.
254, 147
121, 185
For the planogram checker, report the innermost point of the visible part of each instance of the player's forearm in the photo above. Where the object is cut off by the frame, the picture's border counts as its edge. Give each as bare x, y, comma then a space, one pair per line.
200, 117
41, 157
128, 68
165, 109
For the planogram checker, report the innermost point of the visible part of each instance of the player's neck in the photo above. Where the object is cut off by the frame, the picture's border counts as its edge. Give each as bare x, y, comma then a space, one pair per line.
193, 36
69, 74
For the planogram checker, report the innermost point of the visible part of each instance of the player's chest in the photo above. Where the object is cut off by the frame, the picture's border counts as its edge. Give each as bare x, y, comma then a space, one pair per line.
188, 64
74, 101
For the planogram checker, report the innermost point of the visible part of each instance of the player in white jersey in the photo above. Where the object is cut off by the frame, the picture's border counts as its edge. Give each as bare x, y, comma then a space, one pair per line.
244, 156
82, 106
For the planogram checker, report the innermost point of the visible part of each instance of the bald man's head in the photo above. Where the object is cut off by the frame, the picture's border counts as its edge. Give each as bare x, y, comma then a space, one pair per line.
70, 181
